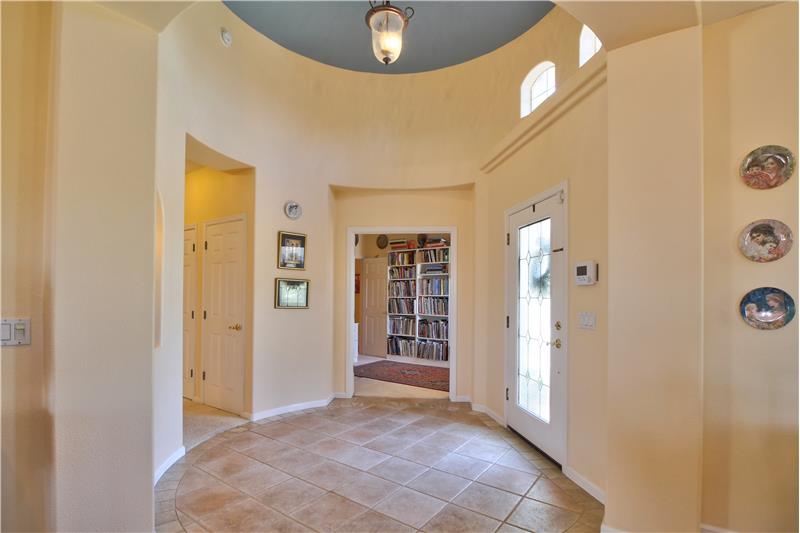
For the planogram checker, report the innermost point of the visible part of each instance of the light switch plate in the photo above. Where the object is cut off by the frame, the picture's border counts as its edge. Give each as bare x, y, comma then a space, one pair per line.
587, 320
15, 331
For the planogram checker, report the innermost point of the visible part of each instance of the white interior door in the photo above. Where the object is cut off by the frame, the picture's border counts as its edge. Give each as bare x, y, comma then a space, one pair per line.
536, 369
373, 312
224, 310
189, 309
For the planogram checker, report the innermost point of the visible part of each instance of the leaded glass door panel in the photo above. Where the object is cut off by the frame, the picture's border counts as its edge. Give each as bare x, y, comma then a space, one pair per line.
536, 347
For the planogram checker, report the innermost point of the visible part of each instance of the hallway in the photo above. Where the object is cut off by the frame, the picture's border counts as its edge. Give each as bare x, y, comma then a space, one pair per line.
371, 464
201, 422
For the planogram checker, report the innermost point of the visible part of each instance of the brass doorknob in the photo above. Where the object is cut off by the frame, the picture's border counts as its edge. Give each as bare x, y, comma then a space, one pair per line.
557, 344
558, 325
235, 327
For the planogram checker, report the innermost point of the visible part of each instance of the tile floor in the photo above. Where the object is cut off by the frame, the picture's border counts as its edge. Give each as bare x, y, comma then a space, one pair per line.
372, 465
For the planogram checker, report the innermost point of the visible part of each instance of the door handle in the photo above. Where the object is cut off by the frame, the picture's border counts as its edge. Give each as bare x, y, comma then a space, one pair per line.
235, 327
556, 343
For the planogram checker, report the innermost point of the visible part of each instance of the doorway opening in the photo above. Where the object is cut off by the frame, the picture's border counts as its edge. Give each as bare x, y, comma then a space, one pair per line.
401, 341
217, 292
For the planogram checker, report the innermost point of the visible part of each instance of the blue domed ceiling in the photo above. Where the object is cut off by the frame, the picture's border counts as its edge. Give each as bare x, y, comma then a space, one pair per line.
440, 34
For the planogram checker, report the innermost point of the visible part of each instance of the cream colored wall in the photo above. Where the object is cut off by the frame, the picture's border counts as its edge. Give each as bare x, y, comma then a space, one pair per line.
750, 376
211, 195
102, 224
654, 284
26, 423
304, 126
424, 208
573, 150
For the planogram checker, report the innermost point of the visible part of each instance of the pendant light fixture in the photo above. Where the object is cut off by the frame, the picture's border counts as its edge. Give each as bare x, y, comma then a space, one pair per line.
387, 23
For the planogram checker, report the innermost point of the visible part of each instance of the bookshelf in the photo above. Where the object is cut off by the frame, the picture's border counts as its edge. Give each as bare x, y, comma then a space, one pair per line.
418, 302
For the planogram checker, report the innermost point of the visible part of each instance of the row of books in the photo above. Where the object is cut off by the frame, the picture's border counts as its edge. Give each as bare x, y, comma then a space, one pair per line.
401, 258
402, 244
433, 329
434, 256
436, 268
434, 286
402, 272
436, 351
431, 350
401, 346
432, 305
436, 243
401, 306
402, 288
401, 326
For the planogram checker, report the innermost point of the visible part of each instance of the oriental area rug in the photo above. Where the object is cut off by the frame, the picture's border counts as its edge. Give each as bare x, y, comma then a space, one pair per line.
429, 377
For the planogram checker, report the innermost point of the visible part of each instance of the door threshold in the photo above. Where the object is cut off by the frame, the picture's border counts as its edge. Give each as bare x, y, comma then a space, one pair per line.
535, 447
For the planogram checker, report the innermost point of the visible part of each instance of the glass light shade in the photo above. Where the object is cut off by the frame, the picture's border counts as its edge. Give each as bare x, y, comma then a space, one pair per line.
387, 27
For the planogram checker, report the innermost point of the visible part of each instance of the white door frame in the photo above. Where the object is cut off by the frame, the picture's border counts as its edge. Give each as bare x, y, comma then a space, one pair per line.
197, 265
549, 193
204, 224
352, 231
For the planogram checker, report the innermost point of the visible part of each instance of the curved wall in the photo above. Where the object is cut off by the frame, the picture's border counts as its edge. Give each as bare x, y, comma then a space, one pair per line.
305, 126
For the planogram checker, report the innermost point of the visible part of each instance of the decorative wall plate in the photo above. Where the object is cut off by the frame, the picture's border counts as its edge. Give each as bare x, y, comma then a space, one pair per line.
767, 167
293, 210
382, 241
767, 308
765, 240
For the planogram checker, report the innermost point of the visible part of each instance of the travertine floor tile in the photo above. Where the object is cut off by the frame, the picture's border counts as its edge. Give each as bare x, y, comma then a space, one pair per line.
537, 516
328, 513
480, 450
330, 475
454, 519
367, 489
372, 522
487, 500
207, 500
546, 491
509, 479
248, 516
291, 494
398, 470
439, 484
463, 466
410, 507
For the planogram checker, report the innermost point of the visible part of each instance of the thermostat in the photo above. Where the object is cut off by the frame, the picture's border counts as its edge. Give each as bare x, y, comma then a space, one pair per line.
586, 273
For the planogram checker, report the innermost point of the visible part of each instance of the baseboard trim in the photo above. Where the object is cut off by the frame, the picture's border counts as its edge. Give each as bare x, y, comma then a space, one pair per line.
707, 528
596, 492
290, 408
605, 528
483, 409
177, 454
342, 395
463, 398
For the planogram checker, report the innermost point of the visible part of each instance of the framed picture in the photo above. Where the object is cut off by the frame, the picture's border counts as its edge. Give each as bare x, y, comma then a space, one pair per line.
291, 293
291, 251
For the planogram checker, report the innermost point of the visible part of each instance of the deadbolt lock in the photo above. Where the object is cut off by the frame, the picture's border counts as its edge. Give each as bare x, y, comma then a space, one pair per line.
558, 325
557, 344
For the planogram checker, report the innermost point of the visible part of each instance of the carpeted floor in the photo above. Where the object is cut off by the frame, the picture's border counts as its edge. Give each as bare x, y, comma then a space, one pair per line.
429, 377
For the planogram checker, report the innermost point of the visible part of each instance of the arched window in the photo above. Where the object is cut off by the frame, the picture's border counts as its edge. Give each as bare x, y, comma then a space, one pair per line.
589, 45
537, 86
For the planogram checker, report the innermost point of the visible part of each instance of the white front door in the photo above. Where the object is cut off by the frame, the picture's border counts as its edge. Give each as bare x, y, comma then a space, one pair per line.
223, 319
536, 369
373, 291
189, 308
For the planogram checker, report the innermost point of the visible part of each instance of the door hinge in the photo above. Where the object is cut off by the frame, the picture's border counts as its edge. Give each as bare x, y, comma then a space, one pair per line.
508, 239
507, 321
205, 245
193, 247
204, 375
191, 373
204, 314
506, 393
192, 315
